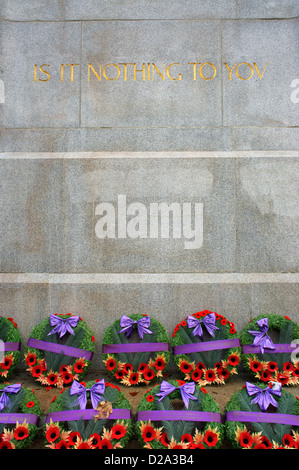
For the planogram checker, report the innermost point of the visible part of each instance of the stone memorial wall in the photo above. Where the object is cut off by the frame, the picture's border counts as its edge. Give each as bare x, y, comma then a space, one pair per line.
148, 159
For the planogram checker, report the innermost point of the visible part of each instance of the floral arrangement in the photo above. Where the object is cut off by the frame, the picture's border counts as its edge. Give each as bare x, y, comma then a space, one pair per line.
19, 415
59, 350
72, 424
265, 360
10, 343
178, 415
206, 348
263, 416
136, 349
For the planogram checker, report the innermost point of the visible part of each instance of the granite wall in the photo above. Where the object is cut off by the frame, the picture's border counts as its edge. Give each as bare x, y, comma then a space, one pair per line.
121, 106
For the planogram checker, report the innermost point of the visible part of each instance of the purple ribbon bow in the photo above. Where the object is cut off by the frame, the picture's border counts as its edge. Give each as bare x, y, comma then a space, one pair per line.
261, 337
4, 400
63, 325
186, 390
142, 325
96, 393
264, 396
208, 321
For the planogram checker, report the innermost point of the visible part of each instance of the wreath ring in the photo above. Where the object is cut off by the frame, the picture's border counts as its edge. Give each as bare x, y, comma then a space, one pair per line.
206, 348
268, 342
135, 349
10, 345
106, 424
196, 424
263, 416
59, 350
19, 416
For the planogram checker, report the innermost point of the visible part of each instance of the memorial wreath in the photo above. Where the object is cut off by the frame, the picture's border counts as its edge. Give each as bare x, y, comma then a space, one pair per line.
268, 344
178, 415
59, 350
10, 343
19, 416
263, 416
206, 348
95, 415
136, 349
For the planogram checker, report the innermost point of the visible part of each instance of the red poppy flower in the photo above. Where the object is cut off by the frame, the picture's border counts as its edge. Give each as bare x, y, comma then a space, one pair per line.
283, 378
196, 375
203, 390
184, 323
289, 366
111, 364
119, 374
200, 366
149, 374
93, 339
245, 439
30, 359
105, 444
218, 365
233, 359
150, 398
296, 372
63, 368
266, 376
52, 433
210, 375
197, 446
12, 321
5, 445
185, 366
223, 321
83, 445
134, 378
128, 368
223, 374
21, 432
30, 404
187, 439
67, 377
52, 378
255, 366
177, 446
95, 440
79, 366
36, 371
148, 433
6, 363
62, 444
73, 438
260, 446
265, 441
272, 366
288, 440
211, 438
142, 367
159, 363
118, 431
164, 439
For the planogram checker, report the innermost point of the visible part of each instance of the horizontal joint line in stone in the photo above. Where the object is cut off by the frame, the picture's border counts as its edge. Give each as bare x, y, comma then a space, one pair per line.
149, 155
149, 278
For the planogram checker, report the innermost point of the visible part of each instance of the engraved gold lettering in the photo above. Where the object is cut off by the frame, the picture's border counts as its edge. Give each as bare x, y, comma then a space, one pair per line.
98, 75
72, 70
168, 72
35, 72
194, 68
258, 72
117, 68
156, 68
237, 71
45, 72
125, 68
211, 65
136, 70
230, 70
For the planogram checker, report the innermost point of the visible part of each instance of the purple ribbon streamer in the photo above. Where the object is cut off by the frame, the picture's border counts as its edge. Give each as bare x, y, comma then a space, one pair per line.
96, 393
135, 347
11, 418
206, 346
59, 348
278, 348
263, 396
256, 416
186, 390
4, 399
63, 325
261, 338
208, 321
175, 415
75, 415
142, 325
15, 346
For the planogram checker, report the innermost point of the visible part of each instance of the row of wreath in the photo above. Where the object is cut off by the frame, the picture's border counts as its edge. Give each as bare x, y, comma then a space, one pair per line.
171, 415
205, 347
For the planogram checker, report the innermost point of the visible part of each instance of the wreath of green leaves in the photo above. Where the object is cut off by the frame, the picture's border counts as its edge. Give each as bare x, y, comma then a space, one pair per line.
179, 434
136, 368
89, 434
262, 435
59, 370
9, 333
272, 366
19, 435
207, 367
